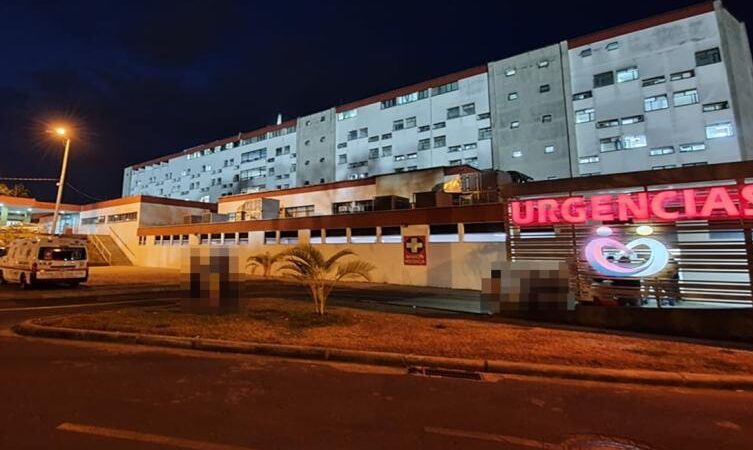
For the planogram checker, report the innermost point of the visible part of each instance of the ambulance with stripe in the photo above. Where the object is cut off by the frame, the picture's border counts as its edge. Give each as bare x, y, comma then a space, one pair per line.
44, 259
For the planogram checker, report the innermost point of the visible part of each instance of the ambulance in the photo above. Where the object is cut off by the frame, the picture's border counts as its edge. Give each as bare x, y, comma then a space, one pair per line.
44, 259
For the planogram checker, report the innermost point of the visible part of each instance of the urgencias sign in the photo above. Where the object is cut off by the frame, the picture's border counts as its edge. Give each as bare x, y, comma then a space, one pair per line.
682, 204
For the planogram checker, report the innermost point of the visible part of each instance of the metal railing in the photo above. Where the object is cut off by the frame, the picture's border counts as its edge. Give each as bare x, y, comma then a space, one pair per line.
101, 248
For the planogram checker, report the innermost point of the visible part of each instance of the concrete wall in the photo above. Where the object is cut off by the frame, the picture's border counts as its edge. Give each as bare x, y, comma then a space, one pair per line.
316, 148
655, 51
525, 74
451, 265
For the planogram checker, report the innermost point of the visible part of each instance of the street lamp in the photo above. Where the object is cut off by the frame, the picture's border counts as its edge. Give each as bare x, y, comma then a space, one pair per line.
62, 132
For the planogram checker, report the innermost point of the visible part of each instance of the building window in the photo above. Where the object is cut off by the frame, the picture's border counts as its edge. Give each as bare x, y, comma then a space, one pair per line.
684, 98
444, 233
424, 144
515, 124
543, 63
453, 113
549, 149
585, 53
634, 141
706, 57
694, 147
473, 162
546, 118
517, 154
423, 128
439, 125
631, 120
613, 46
682, 75
373, 153
484, 133
342, 159
610, 144
299, 211
411, 156
700, 163
584, 115
510, 72
484, 116
484, 232
455, 162
607, 123
582, 95
453, 149
363, 235
347, 114
387, 150
362, 133
373, 138
627, 74
655, 103
512, 96
659, 151
387, 136
544, 88
342, 145
440, 141
410, 122
391, 235
588, 159
665, 166
398, 125
718, 106
469, 109
719, 130
603, 79
471, 146
336, 236
654, 81
445, 88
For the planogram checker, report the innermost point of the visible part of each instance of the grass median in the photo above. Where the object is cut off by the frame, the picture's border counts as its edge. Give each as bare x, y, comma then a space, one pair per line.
292, 322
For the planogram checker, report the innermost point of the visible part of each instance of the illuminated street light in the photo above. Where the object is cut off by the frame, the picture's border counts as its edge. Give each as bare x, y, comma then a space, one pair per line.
62, 132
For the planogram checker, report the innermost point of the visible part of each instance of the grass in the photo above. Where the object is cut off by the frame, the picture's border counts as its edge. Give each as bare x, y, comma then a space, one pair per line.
293, 322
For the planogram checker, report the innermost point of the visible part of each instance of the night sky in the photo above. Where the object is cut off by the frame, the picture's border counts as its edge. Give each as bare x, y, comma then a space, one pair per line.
144, 79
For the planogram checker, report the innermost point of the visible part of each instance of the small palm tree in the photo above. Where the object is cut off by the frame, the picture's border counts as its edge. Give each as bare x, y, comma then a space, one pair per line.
264, 260
307, 264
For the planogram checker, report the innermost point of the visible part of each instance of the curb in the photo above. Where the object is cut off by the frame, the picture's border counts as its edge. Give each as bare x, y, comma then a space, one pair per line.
646, 377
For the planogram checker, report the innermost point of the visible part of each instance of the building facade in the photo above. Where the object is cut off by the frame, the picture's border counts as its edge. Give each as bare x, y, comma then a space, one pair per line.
667, 91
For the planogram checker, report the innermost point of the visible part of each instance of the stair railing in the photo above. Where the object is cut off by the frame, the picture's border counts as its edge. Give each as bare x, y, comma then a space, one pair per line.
122, 242
100, 246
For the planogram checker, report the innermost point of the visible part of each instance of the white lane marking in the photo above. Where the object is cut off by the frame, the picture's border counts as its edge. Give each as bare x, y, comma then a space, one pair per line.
136, 436
80, 305
522, 442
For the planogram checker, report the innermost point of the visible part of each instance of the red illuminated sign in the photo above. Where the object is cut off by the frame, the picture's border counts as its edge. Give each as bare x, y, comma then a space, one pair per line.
681, 204
414, 250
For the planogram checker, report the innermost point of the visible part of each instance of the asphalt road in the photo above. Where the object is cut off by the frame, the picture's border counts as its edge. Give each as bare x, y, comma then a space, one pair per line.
72, 395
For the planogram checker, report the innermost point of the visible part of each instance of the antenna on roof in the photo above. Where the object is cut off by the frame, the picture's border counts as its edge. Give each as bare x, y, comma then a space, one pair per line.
279, 119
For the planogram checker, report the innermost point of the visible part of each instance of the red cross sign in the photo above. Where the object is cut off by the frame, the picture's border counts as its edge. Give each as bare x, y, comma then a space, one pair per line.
414, 250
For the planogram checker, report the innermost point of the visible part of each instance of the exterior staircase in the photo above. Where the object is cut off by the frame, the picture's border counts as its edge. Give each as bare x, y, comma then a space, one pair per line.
103, 250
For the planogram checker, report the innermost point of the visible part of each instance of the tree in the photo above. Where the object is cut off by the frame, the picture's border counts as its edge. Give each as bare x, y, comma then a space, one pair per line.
11, 232
264, 260
307, 264
18, 190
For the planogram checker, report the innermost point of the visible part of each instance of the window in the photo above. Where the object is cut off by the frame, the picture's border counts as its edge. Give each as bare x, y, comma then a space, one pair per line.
471, 146
515, 124
607, 123
411, 155
440, 141
700, 163
684, 98
695, 147
543, 63
588, 159
315, 236
363, 235
584, 115
335, 236
445, 88
484, 232
654, 81
517, 154
585, 53
682, 75
373, 153
126, 217
582, 95
666, 166
444, 233
718, 106
512, 96
469, 109
270, 237
613, 46
342, 145
631, 120
453, 149
389, 103
510, 72
634, 141
387, 150
453, 113
342, 159
363, 133
603, 79
352, 135
299, 211
424, 144
549, 149
455, 162
484, 133
423, 128
347, 114
610, 144
289, 237
655, 103
398, 125
387, 136
373, 138
391, 235
410, 122
439, 125
627, 74
719, 130
473, 161
659, 151
706, 57
544, 88
483, 116
546, 118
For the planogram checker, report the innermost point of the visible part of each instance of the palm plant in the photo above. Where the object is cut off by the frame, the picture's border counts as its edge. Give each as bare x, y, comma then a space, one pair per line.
306, 263
264, 260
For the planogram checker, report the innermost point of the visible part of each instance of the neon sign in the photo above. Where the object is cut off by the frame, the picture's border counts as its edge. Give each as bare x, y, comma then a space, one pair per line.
681, 204
612, 265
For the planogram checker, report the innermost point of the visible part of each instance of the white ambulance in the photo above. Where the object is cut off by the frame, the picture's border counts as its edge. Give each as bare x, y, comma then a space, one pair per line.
44, 259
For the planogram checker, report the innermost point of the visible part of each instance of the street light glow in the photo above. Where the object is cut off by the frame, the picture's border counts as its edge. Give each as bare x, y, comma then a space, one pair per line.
60, 131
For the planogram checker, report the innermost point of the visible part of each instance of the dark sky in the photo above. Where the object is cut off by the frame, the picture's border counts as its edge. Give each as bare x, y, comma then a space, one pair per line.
143, 79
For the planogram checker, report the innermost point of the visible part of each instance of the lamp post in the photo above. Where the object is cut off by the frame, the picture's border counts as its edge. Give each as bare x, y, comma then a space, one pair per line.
61, 132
